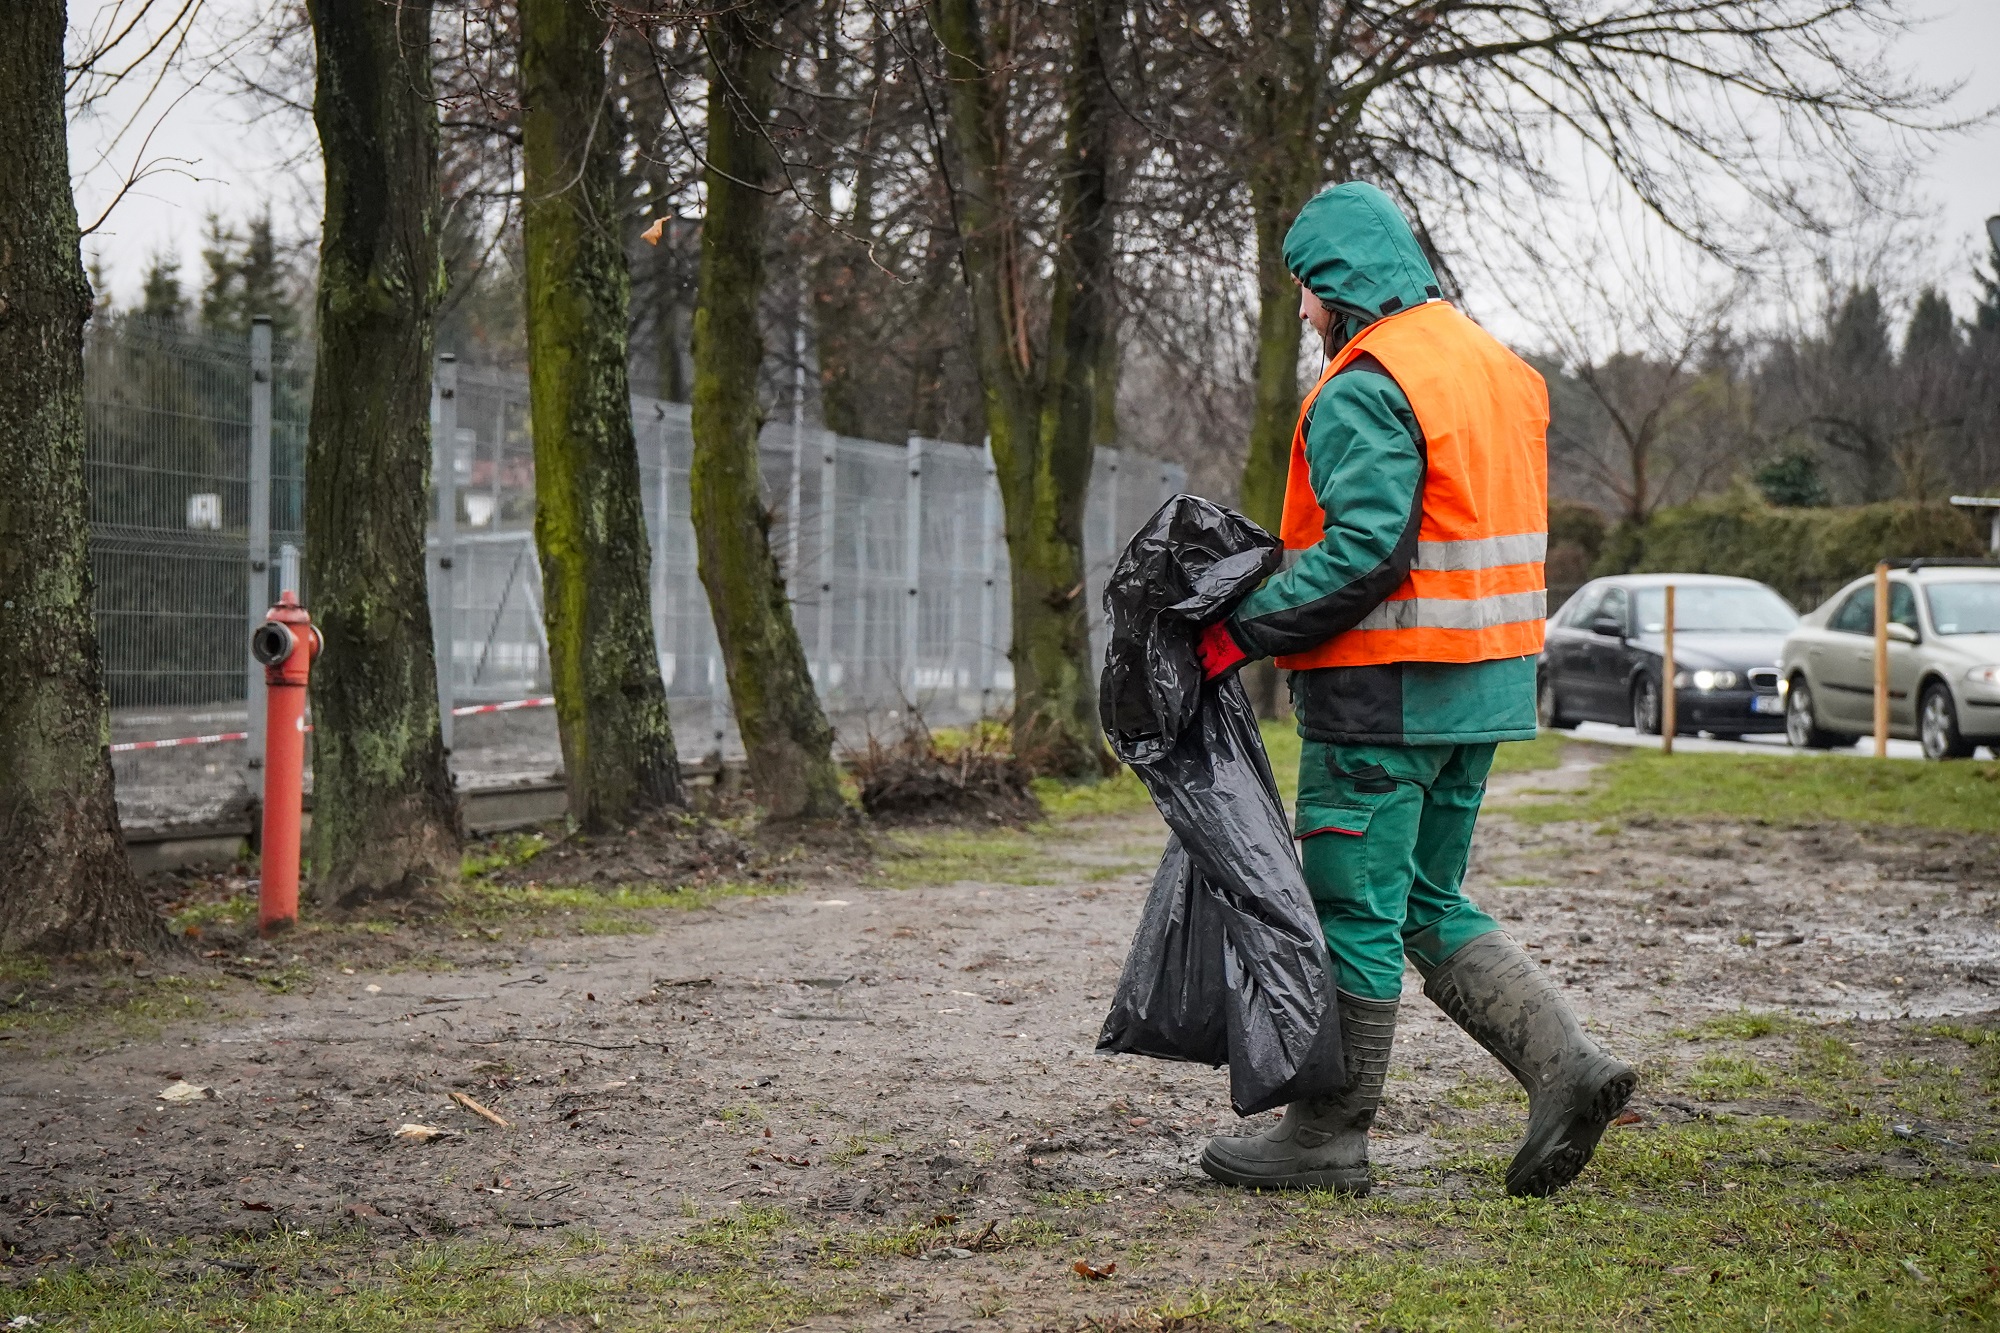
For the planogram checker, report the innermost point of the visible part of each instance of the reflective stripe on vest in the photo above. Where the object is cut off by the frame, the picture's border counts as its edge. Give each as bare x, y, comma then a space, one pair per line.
1476, 589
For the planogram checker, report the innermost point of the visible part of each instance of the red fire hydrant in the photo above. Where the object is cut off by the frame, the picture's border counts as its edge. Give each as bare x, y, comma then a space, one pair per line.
286, 643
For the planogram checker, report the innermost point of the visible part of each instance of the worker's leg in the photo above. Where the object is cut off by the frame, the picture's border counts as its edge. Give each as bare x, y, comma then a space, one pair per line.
1360, 815
1501, 997
1359, 812
1441, 919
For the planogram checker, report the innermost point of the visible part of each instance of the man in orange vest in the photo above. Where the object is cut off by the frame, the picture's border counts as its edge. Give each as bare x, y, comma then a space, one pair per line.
1410, 615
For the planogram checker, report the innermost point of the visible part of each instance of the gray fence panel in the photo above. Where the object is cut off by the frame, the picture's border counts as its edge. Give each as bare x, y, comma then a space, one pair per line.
898, 582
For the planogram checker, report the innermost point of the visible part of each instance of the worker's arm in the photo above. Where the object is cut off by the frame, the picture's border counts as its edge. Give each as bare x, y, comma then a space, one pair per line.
1365, 457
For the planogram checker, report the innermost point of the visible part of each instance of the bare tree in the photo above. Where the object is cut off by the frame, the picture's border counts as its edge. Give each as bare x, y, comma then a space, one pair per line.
1040, 400
785, 732
384, 817
1662, 418
64, 879
590, 524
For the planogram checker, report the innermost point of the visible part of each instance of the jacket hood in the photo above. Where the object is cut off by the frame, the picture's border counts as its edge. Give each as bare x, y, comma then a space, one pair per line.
1352, 248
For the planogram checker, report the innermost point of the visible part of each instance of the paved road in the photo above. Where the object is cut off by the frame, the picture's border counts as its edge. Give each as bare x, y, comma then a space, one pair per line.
1605, 734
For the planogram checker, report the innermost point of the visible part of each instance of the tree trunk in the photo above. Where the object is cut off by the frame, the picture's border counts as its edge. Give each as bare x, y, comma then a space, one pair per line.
64, 880
1278, 109
785, 733
384, 820
1039, 418
590, 524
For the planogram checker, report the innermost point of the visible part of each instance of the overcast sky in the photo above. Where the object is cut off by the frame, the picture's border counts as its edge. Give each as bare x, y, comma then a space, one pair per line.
211, 156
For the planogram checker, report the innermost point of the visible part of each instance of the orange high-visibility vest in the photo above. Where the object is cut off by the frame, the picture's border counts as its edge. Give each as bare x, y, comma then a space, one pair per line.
1476, 591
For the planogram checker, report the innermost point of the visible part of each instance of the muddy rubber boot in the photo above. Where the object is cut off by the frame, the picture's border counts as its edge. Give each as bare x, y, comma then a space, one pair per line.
1322, 1142
1507, 1004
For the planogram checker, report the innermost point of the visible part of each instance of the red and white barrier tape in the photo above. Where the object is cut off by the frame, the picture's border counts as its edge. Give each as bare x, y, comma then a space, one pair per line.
546, 701
126, 747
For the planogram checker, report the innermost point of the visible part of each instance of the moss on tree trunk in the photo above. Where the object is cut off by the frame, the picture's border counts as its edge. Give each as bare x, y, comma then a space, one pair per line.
64, 879
785, 732
384, 819
1039, 415
590, 524
1284, 154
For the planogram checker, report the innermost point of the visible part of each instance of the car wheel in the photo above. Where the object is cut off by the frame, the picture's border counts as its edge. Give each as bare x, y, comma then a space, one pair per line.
1802, 729
1646, 707
1548, 709
1937, 726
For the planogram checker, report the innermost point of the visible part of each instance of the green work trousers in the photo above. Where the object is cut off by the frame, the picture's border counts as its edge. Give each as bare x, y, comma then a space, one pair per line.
1385, 832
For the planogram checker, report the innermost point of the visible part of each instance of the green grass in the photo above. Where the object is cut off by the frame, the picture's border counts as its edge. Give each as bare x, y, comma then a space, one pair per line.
114, 1003
1125, 794
625, 909
1826, 1218
334, 1283
1743, 1025
1001, 856
1784, 790
1687, 1229
1538, 755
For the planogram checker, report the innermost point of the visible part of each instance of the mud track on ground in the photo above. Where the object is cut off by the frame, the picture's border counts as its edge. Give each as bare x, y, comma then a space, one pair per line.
874, 1060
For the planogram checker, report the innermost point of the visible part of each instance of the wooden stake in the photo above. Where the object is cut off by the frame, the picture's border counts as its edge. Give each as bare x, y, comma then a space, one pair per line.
476, 1108
1882, 660
1669, 713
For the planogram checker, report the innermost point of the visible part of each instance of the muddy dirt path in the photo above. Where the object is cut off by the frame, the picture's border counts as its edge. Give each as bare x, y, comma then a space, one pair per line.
863, 1057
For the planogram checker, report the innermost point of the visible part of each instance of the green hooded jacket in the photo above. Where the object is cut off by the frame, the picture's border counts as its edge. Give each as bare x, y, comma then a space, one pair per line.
1365, 454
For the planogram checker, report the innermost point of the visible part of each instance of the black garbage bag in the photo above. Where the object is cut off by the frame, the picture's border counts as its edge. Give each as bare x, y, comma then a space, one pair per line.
1228, 965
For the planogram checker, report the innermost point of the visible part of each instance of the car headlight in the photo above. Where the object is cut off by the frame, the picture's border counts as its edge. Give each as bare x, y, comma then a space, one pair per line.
1988, 676
1705, 680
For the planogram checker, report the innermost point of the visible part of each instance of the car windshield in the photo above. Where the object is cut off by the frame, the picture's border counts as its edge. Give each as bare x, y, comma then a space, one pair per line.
1712, 610
1965, 608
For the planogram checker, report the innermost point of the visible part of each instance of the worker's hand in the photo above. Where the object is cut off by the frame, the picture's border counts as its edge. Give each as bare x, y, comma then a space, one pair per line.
1219, 652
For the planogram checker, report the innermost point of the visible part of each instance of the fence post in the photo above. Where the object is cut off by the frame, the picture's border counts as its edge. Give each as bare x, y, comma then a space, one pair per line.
827, 511
988, 521
1112, 457
1882, 660
258, 600
444, 485
1669, 693
798, 458
657, 540
913, 559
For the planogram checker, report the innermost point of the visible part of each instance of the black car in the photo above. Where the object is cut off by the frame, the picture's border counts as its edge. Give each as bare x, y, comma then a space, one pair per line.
1602, 659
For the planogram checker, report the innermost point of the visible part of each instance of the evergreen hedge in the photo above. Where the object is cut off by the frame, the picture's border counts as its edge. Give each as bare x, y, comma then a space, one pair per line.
1806, 554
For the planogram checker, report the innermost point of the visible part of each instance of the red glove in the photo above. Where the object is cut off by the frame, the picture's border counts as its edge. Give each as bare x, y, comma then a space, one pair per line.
1218, 650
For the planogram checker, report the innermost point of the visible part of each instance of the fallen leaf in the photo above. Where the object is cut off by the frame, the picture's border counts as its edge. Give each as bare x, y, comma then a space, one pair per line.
183, 1091
257, 1206
1630, 1118
1096, 1273
421, 1133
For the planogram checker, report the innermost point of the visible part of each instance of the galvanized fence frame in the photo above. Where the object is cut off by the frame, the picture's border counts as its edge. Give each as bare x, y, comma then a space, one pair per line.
893, 554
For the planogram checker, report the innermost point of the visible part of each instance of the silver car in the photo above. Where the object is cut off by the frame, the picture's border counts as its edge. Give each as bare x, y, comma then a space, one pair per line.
1944, 661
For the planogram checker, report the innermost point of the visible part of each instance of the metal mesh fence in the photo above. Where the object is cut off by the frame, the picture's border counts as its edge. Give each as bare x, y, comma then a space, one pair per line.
893, 555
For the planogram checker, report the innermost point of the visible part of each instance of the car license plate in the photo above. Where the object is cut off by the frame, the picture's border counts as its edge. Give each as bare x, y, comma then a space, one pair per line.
1767, 703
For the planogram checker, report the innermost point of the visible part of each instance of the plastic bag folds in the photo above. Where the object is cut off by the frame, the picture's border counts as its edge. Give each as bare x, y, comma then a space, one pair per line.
1228, 965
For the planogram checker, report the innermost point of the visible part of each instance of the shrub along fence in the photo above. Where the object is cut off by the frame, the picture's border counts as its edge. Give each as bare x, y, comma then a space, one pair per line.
1806, 554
